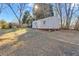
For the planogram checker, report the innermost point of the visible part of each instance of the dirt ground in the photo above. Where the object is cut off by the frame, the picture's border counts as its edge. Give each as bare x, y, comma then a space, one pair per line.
44, 43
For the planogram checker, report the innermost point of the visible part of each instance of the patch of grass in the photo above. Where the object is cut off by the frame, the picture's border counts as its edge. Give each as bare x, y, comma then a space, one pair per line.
7, 30
4, 31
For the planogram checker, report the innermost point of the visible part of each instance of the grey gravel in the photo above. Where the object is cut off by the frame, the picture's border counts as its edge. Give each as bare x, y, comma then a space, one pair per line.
44, 43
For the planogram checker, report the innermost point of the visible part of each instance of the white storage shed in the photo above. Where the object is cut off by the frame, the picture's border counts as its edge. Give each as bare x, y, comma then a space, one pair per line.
47, 23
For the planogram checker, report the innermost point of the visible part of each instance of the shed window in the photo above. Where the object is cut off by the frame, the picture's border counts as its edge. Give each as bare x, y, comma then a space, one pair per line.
44, 22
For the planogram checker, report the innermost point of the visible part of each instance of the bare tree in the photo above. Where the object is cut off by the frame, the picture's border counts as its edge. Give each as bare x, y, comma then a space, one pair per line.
59, 11
42, 10
77, 24
20, 11
69, 11
77, 21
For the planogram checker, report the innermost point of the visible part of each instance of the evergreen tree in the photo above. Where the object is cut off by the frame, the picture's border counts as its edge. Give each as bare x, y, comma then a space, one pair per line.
26, 15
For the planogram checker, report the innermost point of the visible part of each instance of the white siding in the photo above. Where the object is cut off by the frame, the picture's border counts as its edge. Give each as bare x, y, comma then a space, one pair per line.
47, 23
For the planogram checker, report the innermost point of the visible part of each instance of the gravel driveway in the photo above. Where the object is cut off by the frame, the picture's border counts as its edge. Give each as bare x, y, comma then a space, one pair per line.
43, 43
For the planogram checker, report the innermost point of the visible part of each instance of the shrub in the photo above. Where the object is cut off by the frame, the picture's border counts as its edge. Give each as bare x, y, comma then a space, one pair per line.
3, 24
